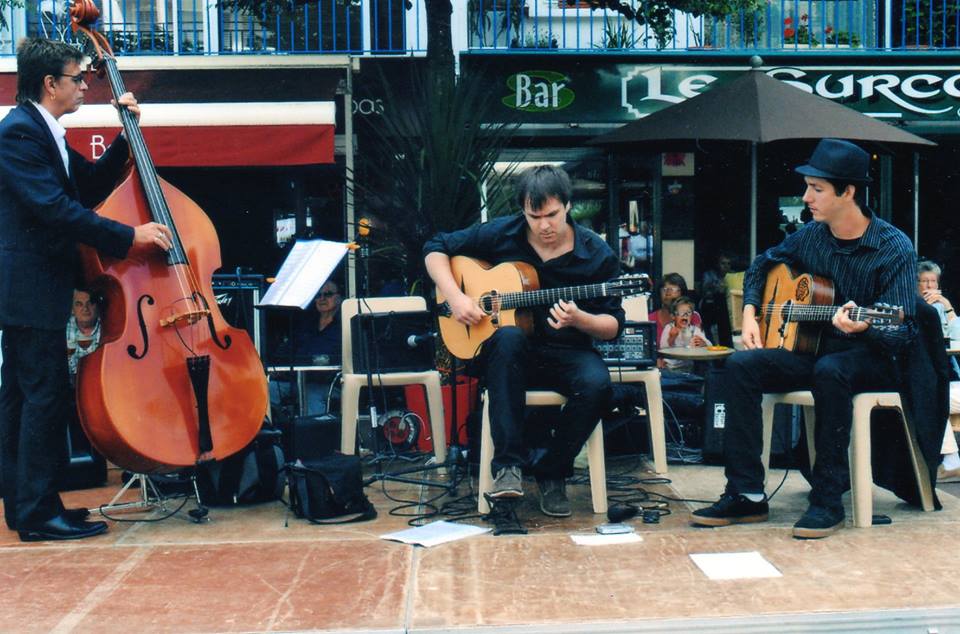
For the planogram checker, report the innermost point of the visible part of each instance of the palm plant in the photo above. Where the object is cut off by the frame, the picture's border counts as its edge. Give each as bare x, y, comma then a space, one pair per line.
429, 165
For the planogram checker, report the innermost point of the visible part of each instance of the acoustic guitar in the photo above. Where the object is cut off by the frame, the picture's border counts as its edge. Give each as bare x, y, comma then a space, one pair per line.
796, 305
505, 293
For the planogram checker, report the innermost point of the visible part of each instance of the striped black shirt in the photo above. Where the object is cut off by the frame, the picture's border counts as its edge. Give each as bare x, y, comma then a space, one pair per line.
879, 268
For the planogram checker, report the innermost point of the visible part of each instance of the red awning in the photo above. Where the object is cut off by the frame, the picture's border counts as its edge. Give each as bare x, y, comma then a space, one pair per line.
215, 134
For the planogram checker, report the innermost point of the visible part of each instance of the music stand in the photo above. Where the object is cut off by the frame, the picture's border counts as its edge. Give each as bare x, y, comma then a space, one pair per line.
305, 270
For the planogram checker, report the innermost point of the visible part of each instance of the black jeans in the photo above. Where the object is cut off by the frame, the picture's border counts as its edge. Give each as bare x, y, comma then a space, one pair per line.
512, 365
843, 369
33, 423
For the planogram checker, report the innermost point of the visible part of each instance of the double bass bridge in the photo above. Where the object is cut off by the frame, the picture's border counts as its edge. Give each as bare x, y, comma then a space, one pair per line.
185, 318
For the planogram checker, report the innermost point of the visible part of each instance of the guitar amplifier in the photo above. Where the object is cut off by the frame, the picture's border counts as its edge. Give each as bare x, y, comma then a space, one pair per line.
636, 347
393, 342
236, 296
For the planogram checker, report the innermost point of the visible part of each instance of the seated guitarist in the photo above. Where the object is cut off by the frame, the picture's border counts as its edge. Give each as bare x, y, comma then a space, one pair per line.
559, 356
868, 261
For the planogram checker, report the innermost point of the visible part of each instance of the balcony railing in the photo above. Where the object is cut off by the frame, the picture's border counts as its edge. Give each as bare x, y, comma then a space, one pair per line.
363, 27
781, 25
184, 27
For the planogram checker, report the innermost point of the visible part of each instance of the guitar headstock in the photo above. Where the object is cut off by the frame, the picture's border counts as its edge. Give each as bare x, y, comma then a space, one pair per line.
632, 284
882, 315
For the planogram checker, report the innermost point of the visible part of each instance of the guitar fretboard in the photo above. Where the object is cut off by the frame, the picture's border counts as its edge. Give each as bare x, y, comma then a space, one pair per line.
805, 312
545, 296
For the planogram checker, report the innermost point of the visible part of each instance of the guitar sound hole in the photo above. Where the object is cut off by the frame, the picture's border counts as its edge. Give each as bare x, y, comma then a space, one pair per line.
488, 303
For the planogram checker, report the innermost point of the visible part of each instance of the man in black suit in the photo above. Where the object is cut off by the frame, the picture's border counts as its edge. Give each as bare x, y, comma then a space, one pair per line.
45, 192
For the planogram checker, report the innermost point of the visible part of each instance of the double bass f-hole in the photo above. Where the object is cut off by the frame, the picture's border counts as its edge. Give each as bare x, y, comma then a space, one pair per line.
227, 341
132, 349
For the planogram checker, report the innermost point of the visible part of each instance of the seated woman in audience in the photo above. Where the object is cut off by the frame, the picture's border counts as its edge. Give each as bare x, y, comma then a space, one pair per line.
672, 287
316, 342
928, 279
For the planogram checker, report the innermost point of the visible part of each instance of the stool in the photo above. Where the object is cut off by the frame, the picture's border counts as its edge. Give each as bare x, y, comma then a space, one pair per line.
595, 457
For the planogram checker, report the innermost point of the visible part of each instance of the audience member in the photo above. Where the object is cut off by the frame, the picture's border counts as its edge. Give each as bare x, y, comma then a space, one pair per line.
672, 287
713, 300
83, 328
681, 333
928, 279
316, 341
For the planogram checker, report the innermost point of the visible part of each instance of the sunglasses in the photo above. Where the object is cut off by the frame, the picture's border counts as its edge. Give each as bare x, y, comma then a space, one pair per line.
77, 79
325, 294
684, 314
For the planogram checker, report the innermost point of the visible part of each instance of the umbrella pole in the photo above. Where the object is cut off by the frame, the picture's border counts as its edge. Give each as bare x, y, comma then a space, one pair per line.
916, 202
753, 200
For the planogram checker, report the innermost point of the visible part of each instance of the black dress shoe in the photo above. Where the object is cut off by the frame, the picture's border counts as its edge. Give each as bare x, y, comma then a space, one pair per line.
61, 527
74, 515
77, 515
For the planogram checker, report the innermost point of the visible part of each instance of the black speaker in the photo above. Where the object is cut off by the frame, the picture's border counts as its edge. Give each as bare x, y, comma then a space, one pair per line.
309, 437
236, 296
84, 468
392, 342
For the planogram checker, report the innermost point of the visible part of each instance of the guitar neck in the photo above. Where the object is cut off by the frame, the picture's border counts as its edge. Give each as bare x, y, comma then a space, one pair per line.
547, 296
804, 312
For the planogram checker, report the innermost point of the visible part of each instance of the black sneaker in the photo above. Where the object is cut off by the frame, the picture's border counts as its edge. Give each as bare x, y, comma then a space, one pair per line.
732, 509
553, 498
818, 522
508, 483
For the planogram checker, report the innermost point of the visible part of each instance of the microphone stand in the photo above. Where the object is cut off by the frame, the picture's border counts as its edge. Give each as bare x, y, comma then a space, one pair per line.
363, 255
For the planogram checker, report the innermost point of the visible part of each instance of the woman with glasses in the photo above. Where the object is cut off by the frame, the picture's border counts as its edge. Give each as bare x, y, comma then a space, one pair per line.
928, 282
672, 287
316, 341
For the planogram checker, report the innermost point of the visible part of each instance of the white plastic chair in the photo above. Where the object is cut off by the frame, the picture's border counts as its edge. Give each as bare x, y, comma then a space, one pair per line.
635, 308
352, 383
861, 474
595, 457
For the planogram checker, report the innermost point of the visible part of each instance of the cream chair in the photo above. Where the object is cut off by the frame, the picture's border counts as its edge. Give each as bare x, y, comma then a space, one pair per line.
352, 383
595, 457
861, 474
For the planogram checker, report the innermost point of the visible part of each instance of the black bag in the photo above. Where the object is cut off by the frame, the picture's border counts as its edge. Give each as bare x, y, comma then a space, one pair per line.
329, 490
254, 474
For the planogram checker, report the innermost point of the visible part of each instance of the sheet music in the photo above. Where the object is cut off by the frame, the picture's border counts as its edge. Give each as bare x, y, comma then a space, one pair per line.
305, 270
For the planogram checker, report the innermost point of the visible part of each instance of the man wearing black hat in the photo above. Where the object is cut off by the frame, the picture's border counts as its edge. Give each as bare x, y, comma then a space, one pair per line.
869, 261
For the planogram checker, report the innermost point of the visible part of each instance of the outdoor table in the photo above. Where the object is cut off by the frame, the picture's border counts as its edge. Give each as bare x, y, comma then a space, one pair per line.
301, 371
695, 354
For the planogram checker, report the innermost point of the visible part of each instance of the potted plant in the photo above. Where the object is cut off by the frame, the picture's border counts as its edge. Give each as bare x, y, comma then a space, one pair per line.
840, 38
799, 33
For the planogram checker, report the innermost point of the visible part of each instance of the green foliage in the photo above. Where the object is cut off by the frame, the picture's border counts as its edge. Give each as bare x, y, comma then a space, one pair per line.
620, 35
429, 161
8, 4
658, 14
931, 24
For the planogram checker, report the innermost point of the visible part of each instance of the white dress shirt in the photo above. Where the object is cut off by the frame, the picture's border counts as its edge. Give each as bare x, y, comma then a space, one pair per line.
59, 134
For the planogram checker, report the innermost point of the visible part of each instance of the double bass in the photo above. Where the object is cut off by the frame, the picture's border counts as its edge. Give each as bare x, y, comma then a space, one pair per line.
172, 384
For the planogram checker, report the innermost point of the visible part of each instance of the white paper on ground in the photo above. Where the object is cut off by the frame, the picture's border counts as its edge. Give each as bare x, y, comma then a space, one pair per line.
596, 539
749, 565
435, 533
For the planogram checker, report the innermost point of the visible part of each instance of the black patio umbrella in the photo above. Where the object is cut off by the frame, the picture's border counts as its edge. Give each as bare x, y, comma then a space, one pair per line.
756, 108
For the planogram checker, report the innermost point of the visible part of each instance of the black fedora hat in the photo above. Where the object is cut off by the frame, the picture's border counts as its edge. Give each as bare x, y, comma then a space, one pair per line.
839, 161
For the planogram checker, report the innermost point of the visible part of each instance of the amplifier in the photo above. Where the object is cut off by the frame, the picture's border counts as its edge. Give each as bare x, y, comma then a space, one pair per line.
236, 296
384, 340
636, 347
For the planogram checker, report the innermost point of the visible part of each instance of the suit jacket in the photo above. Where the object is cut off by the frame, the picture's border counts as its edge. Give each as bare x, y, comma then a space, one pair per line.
44, 214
